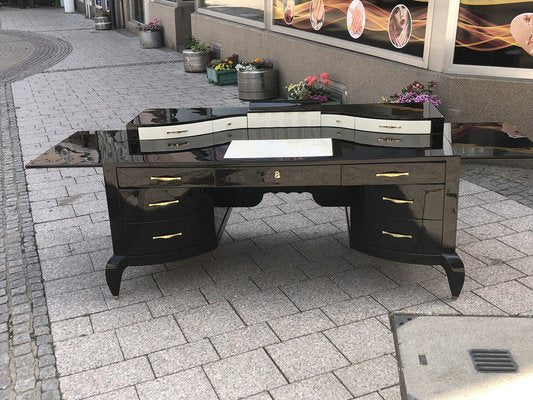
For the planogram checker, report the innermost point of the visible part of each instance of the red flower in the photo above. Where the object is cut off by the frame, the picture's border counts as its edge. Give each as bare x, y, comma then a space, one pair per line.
310, 80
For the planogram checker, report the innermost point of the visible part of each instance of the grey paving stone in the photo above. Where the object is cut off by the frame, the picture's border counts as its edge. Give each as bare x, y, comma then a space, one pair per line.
231, 268
175, 303
249, 229
362, 340
75, 304
58, 237
186, 385
276, 239
277, 258
208, 320
361, 260
244, 339
354, 310
182, 357
322, 387
489, 231
475, 216
233, 249
402, 297
71, 328
363, 281
489, 196
132, 291
287, 222
296, 205
301, 324
470, 201
127, 393
407, 274
522, 241
52, 213
469, 262
181, 279
272, 279
259, 396
435, 307
370, 375
327, 266
512, 297
244, 375
471, 304
149, 336
320, 248
440, 288
492, 251
67, 266
325, 214
119, 317
229, 290
493, 274
527, 281
263, 306
75, 283
314, 293
509, 209
316, 231
466, 188
88, 352
392, 393
105, 379
519, 224
306, 356
261, 212
524, 265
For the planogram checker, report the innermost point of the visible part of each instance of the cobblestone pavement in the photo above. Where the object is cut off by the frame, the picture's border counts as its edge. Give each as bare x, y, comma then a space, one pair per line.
282, 310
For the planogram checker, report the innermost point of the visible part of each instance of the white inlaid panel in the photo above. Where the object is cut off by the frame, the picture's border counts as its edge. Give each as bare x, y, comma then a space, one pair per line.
283, 119
338, 121
392, 126
175, 131
226, 124
279, 148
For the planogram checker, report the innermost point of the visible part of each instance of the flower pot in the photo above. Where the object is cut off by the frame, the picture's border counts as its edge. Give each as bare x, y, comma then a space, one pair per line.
258, 85
151, 39
224, 77
102, 23
195, 61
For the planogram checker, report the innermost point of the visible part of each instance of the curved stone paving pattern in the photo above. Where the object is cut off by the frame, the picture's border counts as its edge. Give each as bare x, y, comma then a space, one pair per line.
25, 54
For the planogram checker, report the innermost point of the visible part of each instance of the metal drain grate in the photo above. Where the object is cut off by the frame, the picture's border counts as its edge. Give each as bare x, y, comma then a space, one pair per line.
487, 360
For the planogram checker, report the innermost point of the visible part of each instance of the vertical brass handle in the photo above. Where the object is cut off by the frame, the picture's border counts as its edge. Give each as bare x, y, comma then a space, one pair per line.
397, 201
165, 178
392, 174
170, 236
163, 203
397, 235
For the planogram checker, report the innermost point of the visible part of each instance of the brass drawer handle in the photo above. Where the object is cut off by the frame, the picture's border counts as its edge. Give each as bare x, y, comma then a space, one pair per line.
165, 178
174, 132
163, 203
391, 140
172, 235
397, 235
398, 201
392, 174
178, 144
390, 126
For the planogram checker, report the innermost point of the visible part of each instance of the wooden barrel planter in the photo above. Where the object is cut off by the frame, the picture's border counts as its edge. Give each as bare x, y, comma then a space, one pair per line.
102, 23
195, 61
151, 39
261, 84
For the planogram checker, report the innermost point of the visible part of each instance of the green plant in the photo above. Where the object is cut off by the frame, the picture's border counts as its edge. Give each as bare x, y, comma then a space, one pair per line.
313, 88
415, 93
258, 63
194, 44
226, 64
154, 25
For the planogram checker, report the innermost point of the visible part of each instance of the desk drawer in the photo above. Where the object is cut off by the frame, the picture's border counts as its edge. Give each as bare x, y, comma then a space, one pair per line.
164, 236
166, 145
175, 131
280, 176
158, 204
164, 177
337, 121
228, 136
387, 174
407, 201
337, 133
392, 140
226, 124
392, 126
400, 234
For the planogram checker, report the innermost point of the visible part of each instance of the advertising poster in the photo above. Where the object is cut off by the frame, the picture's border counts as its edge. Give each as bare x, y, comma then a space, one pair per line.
497, 33
392, 25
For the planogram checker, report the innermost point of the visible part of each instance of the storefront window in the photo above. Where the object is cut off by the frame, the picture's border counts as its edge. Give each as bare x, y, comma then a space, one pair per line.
137, 10
248, 9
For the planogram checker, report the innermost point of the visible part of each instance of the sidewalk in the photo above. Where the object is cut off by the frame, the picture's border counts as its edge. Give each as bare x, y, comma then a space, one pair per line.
282, 310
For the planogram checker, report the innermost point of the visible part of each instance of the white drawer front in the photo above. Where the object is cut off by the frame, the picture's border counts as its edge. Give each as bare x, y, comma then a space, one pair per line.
284, 119
175, 131
392, 126
226, 124
338, 121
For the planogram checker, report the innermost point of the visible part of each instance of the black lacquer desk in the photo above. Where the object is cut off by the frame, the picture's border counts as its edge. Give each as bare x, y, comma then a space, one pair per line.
170, 189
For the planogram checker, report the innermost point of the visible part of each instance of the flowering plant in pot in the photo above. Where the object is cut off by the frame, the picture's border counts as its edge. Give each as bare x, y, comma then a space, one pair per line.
151, 34
313, 88
223, 72
416, 92
257, 80
196, 55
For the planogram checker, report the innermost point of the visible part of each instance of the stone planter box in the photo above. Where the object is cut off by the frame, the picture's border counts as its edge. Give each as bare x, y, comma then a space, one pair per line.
151, 39
258, 84
225, 77
195, 61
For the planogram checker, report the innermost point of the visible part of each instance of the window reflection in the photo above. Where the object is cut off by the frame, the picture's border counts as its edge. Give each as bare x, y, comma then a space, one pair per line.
249, 9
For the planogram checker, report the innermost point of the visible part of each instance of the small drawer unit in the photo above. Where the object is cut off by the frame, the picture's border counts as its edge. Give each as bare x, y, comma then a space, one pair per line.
392, 140
337, 121
406, 201
175, 131
169, 145
155, 204
228, 136
400, 234
393, 126
163, 236
164, 177
226, 124
337, 133
393, 173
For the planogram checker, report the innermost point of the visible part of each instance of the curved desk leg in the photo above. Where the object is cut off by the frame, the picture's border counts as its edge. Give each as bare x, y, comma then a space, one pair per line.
455, 271
113, 274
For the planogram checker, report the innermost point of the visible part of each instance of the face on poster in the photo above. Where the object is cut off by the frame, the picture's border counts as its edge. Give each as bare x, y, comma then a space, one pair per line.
497, 33
392, 25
